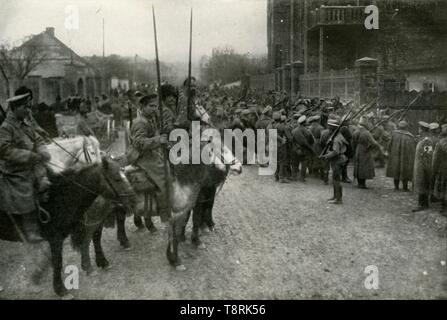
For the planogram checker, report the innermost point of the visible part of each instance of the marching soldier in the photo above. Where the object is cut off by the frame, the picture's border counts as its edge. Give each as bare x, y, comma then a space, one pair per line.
423, 166
336, 157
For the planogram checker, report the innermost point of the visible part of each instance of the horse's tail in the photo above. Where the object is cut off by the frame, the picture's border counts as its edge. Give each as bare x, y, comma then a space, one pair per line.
77, 236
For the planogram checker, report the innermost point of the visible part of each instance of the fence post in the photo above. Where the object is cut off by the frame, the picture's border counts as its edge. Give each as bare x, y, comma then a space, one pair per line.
366, 84
346, 83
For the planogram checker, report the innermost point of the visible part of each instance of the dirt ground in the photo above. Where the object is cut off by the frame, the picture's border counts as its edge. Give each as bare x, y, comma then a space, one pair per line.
272, 241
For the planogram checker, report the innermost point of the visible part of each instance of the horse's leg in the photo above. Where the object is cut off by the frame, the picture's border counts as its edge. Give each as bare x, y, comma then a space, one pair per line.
56, 259
101, 260
171, 252
86, 263
207, 207
42, 264
182, 235
138, 222
121, 228
196, 223
208, 211
148, 209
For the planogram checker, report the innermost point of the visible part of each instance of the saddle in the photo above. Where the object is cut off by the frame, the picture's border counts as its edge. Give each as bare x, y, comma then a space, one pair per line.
139, 180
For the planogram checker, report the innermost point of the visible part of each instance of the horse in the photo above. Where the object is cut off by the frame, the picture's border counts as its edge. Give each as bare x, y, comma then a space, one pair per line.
73, 152
71, 193
186, 184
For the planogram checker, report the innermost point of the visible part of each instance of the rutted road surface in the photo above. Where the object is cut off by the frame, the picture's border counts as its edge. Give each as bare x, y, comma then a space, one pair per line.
272, 241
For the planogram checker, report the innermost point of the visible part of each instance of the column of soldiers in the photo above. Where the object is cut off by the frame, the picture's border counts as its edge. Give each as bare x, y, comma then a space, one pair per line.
305, 128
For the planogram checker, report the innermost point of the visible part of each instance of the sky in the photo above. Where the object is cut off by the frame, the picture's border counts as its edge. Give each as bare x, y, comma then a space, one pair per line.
240, 24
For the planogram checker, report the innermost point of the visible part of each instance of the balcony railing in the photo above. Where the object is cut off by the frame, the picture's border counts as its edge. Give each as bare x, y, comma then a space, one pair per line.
337, 15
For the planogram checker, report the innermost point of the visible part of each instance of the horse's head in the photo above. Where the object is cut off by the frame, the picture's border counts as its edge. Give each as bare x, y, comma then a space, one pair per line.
221, 156
115, 186
202, 114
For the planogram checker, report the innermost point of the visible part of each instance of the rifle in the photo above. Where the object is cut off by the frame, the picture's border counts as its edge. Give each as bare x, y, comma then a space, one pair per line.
337, 130
345, 119
160, 108
286, 99
403, 111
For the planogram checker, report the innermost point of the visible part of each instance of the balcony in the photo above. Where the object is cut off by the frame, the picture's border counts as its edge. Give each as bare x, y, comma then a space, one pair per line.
337, 16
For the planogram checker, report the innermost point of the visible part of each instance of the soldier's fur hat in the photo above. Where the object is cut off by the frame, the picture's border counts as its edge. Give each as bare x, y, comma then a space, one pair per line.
167, 90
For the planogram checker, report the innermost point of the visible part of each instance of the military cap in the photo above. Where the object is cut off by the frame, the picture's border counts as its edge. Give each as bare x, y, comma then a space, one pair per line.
302, 119
276, 115
246, 112
267, 109
296, 115
18, 100
363, 121
333, 122
283, 118
144, 100
433, 126
313, 118
282, 111
253, 109
424, 124
403, 124
238, 111
167, 90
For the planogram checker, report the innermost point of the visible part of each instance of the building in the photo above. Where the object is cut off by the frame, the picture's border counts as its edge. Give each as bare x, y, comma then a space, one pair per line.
313, 45
61, 73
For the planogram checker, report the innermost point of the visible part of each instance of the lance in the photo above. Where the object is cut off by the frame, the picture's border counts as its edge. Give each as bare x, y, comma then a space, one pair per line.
190, 109
160, 110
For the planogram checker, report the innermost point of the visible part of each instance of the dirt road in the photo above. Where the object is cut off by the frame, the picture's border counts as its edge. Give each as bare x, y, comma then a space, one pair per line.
271, 241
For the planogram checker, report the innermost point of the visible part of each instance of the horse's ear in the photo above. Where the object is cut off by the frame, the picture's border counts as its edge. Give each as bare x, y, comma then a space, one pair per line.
105, 162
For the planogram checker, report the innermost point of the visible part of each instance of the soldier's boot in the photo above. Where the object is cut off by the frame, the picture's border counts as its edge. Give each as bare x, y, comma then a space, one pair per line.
338, 196
31, 228
362, 184
344, 174
396, 185
422, 203
294, 176
333, 196
443, 210
405, 186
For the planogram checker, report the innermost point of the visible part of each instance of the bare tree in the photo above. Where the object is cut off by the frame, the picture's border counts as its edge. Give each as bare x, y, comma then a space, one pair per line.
18, 62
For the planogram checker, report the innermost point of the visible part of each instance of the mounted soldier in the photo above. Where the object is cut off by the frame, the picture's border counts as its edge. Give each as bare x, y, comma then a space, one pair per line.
145, 150
23, 179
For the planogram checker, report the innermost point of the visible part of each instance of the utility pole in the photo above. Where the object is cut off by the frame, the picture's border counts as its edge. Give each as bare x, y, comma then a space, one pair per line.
104, 57
134, 80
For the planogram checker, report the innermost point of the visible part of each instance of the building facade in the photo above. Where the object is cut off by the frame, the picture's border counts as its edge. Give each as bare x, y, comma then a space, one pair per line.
62, 73
313, 45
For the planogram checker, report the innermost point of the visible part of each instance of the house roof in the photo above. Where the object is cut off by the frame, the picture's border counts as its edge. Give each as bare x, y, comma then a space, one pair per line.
57, 56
